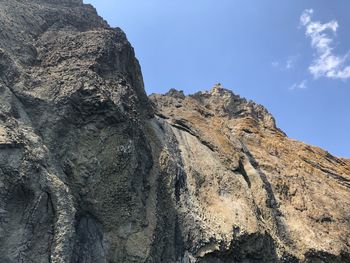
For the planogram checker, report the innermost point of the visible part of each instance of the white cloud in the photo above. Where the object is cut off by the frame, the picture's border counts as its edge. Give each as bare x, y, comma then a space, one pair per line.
275, 64
306, 16
326, 63
300, 85
288, 64
291, 61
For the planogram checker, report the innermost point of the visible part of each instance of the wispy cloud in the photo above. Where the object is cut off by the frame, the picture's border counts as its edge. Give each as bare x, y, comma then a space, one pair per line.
299, 85
326, 63
288, 64
275, 64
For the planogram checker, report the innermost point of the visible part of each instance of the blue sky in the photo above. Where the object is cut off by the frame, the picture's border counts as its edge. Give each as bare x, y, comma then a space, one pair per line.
291, 56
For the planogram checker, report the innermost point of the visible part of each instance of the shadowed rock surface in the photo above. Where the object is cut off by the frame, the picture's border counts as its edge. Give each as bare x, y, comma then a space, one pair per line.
92, 170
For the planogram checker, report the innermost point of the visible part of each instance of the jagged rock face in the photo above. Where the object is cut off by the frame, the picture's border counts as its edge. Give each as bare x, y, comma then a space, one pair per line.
91, 170
256, 195
74, 160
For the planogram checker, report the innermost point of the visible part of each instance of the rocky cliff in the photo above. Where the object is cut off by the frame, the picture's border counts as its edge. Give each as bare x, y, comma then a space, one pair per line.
92, 170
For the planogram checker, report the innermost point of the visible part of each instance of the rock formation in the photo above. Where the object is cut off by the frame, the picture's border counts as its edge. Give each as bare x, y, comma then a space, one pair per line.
92, 170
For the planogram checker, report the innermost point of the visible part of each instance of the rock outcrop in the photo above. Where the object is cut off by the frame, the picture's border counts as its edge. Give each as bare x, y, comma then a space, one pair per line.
254, 194
92, 170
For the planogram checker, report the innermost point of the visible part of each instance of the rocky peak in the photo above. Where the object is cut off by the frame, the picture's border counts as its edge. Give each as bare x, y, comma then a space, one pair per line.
177, 94
57, 2
225, 103
220, 102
